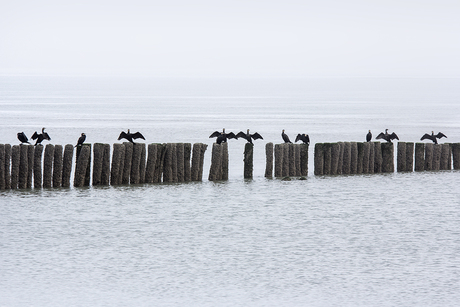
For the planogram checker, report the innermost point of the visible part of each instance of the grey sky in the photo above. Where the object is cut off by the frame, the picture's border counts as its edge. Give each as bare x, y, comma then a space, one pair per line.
231, 38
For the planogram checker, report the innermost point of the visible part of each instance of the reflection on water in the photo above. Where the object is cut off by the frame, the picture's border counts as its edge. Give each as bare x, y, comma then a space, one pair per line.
380, 240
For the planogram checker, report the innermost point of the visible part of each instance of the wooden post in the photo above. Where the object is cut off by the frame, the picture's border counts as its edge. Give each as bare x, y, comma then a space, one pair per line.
419, 157
378, 158
269, 160
359, 162
401, 157
340, 162
215, 172
136, 163
57, 166
248, 160
346, 166
224, 161
127, 162
456, 155
335, 157
197, 161
327, 158
30, 165
48, 165
286, 159
117, 166
7, 166
105, 173
297, 159
319, 159
366, 156
67, 165
428, 157
174, 162
83, 159
445, 157
372, 146
15, 159
304, 159
388, 157
354, 158
151, 161
409, 157
279, 157
2, 166
436, 157
98, 154
292, 162
187, 156
23, 166
180, 162
168, 163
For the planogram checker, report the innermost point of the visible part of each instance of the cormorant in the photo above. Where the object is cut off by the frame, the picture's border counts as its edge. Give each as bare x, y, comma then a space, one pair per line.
433, 136
386, 136
23, 138
130, 136
303, 137
40, 137
222, 136
368, 136
81, 139
249, 137
285, 137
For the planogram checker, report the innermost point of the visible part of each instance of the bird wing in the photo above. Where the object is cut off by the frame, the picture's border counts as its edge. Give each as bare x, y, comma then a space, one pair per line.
440, 135
394, 136
46, 136
307, 138
35, 135
241, 134
137, 135
298, 137
256, 136
380, 136
215, 134
81, 139
425, 136
123, 135
231, 135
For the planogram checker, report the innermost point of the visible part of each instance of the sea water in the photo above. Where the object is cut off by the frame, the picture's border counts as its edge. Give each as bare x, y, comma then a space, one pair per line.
358, 240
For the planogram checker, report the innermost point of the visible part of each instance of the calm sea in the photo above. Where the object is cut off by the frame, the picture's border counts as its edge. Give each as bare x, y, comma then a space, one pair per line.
361, 240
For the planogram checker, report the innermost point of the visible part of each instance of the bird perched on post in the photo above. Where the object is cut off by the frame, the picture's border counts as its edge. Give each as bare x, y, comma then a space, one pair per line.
303, 137
285, 137
249, 137
40, 137
368, 136
23, 138
386, 136
433, 137
130, 136
81, 139
222, 136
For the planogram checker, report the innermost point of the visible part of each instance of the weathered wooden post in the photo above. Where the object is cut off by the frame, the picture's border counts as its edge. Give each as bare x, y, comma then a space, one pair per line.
180, 162
168, 163
269, 160
117, 167
197, 161
354, 158
340, 162
151, 161
319, 159
428, 157
456, 155
136, 163
38, 152
346, 166
15, 159
23, 166
225, 161
105, 173
401, 157
215, 172
436, 157
67, 165
248, 160
7, 166
297, 159
98, 154
48, 165
57, 166
128, 160
359, 162
286, 159
292, 162
388, 157
279, 157
419, 157
445, 157
409, 157
327, 158
304, 159
2, 166
30, 165
174, 162
372, 147
366, 156
83, 159
187, 157
335, 157
378, 158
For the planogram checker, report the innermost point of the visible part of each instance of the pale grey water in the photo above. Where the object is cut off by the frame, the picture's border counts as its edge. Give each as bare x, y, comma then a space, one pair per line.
368, 240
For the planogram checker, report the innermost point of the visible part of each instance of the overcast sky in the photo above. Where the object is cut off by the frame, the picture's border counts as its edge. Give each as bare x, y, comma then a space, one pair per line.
231, 38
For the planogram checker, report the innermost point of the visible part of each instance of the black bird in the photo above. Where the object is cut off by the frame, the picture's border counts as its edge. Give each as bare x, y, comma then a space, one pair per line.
40, 137
285, 137
386, 136
81, 139
249, 137
368, 136
130, 136
433, 136
23, 138
222, 136
303, 137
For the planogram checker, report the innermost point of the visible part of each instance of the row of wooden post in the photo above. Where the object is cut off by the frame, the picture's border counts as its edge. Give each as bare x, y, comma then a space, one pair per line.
21, 165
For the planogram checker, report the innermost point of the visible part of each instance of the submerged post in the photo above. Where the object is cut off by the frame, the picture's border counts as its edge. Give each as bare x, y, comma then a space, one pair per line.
48, 165
135, 177
30, 165
436, 157
15, 158
279, 157
269, 160
7, 166
180, 162
409, 157
2, 166
83, 159
456, 155
327, 158
128, 159
105, 173
388, 158
98, 154
445, 157
215, 172
401, 157
319, 159
248, 160
378, 158
304, 159
67, 165
197, 161
419, 157
117, 168
23, 166
354, 158
366, 157
359, 162
187, 156
335, 157
57, 166
428, 157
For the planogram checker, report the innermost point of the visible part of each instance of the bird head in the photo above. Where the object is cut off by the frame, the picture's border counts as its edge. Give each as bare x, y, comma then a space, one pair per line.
43, 130
248, 130
128, 131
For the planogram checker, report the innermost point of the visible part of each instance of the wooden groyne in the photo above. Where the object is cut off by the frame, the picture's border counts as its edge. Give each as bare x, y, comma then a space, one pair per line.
26, 166
435, 157
290, 160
